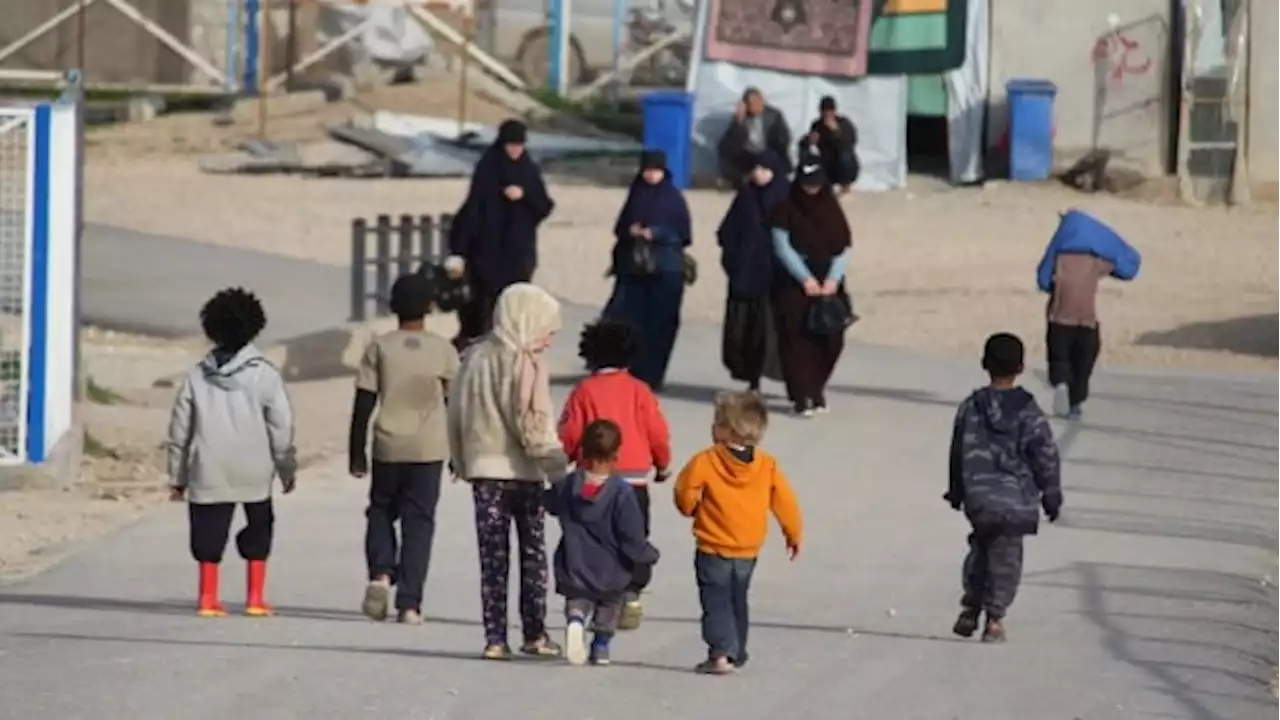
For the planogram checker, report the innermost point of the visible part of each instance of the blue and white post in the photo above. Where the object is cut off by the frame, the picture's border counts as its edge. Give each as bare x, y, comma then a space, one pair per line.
559, 49
620, 8
52, 293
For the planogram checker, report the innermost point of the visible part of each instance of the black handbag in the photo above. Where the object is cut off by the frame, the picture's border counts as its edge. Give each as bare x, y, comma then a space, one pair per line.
830, 314
634, 257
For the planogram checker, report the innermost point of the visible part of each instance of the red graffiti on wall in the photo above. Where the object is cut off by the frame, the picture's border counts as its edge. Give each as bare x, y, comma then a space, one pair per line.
1123, 55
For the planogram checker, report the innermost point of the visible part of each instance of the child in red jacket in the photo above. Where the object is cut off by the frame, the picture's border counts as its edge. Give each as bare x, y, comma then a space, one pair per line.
612, 393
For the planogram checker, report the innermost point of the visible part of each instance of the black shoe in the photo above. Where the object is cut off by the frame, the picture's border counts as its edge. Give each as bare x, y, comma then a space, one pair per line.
967, 624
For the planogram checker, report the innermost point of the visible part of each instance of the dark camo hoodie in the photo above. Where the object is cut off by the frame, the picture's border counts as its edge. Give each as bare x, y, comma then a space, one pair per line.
1004, 462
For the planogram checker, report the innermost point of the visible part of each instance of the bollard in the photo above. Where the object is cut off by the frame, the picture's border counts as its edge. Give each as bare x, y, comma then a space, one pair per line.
441, 248
426, 240
382, 266
359, 266
404, 260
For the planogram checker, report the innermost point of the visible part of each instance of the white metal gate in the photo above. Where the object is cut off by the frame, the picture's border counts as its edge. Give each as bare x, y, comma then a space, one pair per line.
17, 180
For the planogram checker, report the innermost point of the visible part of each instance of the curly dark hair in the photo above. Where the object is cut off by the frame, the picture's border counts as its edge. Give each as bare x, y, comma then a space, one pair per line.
232, 318
609, 344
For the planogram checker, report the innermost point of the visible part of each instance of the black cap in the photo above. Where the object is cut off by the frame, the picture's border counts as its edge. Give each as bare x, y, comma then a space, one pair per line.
411, 296
653, 160
512, 131
827, 103
810, 172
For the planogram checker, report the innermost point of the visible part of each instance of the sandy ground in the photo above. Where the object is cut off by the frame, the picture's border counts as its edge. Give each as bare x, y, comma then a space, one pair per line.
122, 474
934, 269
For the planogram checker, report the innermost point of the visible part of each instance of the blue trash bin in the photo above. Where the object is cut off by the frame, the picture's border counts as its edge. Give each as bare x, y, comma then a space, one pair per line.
1030, 128
668, 126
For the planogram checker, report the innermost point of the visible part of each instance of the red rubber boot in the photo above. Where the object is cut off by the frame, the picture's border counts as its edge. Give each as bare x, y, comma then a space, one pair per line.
256, 605
209, 605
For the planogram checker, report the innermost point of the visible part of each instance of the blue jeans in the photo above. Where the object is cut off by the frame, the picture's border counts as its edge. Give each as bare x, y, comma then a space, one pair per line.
723, 584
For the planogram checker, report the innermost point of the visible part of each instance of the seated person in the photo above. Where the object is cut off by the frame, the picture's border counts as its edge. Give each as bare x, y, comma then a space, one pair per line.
756, 127
832, 138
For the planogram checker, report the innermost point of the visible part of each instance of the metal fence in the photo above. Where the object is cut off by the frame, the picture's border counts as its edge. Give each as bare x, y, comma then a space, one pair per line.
416, 240
1214, 102
16, 151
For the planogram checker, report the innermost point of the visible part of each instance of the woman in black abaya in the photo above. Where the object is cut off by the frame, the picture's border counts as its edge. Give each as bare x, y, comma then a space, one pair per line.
746, 255
651, 234
494, 238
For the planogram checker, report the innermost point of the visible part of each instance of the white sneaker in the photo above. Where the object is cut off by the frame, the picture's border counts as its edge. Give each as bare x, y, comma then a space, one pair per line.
1061, 400
575, 642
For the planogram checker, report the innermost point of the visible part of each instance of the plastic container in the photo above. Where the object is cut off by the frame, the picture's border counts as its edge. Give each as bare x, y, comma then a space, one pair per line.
1030, 128
668, 126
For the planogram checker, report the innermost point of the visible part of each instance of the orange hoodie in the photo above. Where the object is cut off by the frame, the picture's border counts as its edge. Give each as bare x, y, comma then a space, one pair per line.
729, 501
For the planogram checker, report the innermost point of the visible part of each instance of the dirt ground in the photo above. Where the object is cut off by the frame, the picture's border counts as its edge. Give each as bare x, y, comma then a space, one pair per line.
935, 269
122, 473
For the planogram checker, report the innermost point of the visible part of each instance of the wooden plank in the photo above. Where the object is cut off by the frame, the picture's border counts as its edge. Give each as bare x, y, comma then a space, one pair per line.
909, 7
52, 79
159, 33
43, 28
485, 60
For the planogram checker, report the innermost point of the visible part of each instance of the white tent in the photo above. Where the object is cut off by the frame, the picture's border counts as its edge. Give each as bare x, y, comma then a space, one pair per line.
877, 105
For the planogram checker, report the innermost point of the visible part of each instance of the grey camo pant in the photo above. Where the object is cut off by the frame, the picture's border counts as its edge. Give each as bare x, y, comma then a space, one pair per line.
992, 571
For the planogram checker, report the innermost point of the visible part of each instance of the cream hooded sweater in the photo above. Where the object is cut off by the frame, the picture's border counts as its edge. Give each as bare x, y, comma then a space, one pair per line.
488, 438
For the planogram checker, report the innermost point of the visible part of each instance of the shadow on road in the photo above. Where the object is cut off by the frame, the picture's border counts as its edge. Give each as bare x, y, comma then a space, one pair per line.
1200, 650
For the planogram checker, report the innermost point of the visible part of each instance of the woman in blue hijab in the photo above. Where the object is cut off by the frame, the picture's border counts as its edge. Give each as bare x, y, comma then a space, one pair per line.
747, 256
651, 234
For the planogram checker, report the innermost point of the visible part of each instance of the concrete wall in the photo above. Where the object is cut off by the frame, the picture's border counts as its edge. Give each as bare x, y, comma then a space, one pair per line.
1263, 120
116, 50
1113, 87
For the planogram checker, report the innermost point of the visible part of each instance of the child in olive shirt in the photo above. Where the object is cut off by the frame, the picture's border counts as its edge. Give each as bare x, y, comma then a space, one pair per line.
404, 374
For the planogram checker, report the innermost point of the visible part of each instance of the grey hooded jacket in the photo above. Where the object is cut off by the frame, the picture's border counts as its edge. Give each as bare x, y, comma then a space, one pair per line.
231, 431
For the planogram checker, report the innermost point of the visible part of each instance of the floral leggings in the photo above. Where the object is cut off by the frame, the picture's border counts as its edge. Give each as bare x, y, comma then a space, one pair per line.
498, 502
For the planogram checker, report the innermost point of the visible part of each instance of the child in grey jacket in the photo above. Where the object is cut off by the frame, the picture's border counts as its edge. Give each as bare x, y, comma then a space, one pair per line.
230, 435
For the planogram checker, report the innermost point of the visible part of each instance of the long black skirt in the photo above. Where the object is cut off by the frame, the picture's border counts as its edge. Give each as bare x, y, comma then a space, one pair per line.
749, 343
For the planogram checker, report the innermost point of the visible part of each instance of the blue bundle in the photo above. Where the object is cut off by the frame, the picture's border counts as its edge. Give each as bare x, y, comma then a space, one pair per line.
1080, 232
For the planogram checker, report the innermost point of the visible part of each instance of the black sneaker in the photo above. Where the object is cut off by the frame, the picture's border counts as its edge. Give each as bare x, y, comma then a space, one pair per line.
967, 624
599, 652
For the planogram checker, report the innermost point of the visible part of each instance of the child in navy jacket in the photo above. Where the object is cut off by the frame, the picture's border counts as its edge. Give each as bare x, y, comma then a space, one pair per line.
602, 542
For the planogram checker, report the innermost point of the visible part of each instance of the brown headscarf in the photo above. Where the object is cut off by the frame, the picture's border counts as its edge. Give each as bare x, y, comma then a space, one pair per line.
819, 230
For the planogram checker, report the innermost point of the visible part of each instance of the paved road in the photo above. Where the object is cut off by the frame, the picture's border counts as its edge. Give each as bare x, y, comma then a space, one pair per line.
155, 285
1154, 596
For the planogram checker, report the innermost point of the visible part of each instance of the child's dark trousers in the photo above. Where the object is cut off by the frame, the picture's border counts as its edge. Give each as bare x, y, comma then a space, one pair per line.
992, 571
641, 575
603, 614
211, 527
723, 584
408, 493
1073, 351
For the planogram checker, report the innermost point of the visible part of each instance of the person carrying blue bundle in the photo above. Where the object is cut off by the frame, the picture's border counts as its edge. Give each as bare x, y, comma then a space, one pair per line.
651, 233
1081, 252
